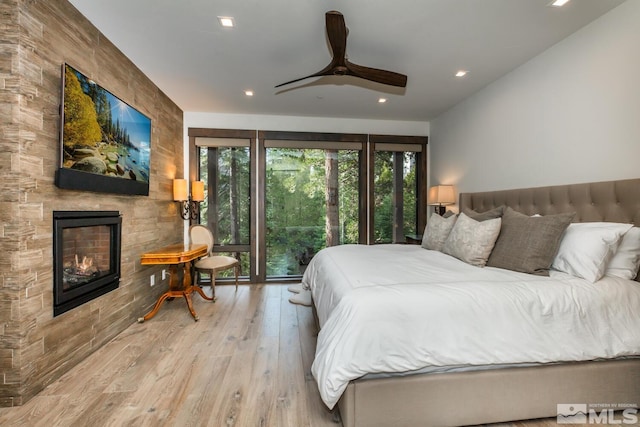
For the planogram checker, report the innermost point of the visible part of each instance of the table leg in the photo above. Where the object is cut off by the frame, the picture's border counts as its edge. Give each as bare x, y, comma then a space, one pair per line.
174, 283
188, 288
153, 312
202, 294
186, 279
177, 289
187, 297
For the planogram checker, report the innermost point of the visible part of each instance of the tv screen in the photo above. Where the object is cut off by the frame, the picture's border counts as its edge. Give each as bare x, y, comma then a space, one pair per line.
105, 142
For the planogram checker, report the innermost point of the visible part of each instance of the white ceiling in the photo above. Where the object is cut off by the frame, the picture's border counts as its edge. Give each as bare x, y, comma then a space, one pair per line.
203, 67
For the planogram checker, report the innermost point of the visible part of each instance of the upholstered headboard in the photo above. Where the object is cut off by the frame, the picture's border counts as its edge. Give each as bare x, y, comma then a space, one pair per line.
610, 201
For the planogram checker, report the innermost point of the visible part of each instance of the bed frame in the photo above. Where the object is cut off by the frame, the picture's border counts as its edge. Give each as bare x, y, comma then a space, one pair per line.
491, 396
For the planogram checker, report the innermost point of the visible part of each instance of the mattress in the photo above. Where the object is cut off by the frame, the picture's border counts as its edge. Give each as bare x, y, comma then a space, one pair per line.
394, 309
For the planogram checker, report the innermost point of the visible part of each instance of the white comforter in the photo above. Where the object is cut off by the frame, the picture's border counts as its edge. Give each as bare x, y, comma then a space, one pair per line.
399, 308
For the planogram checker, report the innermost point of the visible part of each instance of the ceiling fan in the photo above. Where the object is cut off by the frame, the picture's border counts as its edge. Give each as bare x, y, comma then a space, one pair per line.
340, 66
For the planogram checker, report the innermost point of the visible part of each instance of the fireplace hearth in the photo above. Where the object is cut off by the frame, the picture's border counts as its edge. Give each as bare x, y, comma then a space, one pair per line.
86, 253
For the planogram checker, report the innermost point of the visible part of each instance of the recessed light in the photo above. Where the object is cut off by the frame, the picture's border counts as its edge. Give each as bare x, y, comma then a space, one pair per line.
558, 3
226, 21
461, 73
382, 100
248, 92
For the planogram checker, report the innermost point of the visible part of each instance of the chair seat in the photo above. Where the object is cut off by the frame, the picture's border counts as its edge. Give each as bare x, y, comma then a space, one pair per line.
216, 262
211, 264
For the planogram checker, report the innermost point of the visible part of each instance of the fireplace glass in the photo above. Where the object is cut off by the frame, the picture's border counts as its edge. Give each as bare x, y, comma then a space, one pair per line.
86, 256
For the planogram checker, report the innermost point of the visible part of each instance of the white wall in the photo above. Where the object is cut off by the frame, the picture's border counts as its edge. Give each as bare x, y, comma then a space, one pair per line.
570, 115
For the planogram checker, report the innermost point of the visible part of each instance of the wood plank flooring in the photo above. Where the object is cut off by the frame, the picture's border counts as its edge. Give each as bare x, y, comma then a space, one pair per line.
246, 362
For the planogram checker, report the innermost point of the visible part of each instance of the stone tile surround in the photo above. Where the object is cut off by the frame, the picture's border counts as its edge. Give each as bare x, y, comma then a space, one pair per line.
36, 38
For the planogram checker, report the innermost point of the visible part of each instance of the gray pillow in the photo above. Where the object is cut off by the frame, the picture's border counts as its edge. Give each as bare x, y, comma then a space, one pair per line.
483, 216
528, 244
471, 241
437, 231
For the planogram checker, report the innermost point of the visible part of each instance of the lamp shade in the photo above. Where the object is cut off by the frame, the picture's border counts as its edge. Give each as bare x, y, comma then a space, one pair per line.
441, 195
180, 193
197, 191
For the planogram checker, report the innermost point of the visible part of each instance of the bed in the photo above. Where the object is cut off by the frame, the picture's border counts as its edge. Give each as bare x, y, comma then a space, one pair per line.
470, 363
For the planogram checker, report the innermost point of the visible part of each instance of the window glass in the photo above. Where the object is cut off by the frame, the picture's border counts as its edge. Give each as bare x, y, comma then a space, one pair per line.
311, 203
226, 208
395, 189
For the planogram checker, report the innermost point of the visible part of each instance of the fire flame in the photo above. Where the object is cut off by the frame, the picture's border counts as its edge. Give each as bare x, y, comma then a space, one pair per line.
84, 267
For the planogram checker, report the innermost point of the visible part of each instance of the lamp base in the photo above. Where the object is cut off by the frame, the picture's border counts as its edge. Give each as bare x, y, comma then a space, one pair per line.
190, 210
440, 210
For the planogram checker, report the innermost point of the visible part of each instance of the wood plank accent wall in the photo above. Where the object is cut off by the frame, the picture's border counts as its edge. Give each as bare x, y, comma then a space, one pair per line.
36, 38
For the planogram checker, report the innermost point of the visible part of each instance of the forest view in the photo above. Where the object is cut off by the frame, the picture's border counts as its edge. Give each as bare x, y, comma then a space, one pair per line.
311, 203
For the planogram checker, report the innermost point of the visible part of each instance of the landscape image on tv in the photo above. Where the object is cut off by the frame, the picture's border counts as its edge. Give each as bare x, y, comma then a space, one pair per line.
102, 134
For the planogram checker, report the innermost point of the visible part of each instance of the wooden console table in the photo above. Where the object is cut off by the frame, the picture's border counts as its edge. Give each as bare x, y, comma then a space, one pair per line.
173, 256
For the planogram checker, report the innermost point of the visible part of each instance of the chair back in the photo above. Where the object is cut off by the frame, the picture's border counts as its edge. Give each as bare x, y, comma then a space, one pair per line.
199, 233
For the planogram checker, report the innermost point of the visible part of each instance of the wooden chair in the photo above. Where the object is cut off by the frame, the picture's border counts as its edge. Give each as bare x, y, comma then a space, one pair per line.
210, 264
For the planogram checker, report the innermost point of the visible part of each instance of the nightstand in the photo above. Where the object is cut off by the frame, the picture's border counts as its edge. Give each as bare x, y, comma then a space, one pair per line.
413, 239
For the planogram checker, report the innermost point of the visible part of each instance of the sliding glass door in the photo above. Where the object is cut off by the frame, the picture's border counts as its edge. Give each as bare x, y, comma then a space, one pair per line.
275, 199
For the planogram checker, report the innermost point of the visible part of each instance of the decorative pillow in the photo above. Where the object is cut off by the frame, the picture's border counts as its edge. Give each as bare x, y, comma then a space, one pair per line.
528, 244
437, 231
626, 261
587, 247
483, 216
471, 241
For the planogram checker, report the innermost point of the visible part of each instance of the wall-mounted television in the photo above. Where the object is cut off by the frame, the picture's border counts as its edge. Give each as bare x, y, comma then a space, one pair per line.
105, 143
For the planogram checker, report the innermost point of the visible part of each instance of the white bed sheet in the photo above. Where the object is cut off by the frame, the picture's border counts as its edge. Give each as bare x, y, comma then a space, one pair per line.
400, 308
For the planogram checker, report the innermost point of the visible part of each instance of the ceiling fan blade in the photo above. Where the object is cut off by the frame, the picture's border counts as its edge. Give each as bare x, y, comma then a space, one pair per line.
293, 81
337, 34
376, 75
326, 71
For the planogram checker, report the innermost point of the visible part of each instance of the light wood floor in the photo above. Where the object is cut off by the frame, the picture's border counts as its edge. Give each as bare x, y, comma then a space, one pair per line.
245, 363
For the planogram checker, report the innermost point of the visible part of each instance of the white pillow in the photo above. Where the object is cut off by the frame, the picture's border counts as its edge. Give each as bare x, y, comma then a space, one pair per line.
626, 261
472, 241
437, 231
587, 247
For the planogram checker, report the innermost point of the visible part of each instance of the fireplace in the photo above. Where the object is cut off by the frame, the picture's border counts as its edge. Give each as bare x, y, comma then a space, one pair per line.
86, 254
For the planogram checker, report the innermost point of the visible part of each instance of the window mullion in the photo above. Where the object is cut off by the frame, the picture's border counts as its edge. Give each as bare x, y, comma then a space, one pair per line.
398, 197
